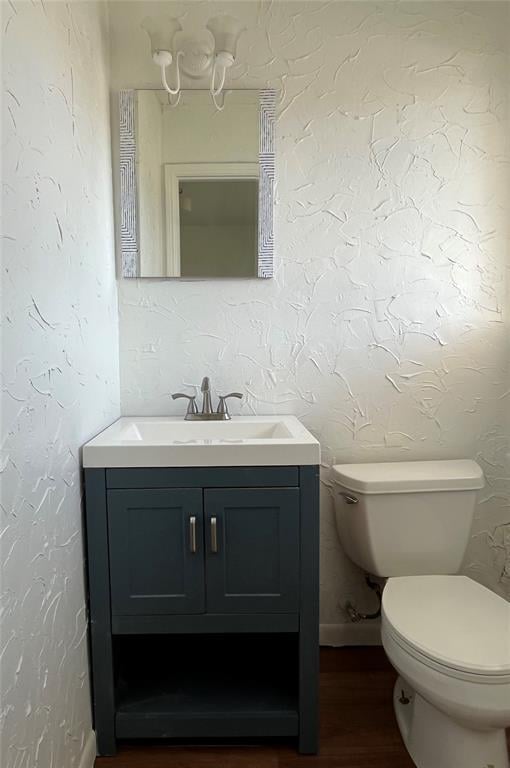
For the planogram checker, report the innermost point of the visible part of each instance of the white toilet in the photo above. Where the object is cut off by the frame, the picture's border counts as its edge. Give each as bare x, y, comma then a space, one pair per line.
447, 636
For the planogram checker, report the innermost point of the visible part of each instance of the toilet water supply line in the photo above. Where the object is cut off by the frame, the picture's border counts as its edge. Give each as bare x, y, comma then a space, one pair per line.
354, 615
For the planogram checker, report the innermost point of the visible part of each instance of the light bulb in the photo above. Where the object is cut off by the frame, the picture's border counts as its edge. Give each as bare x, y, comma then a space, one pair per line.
161, 33
226, 31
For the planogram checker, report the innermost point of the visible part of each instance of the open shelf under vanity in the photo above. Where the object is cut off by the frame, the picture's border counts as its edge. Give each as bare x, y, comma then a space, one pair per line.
200, 686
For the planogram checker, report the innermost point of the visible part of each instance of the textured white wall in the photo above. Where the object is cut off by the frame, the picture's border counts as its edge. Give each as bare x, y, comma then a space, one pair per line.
383, 328
59, 364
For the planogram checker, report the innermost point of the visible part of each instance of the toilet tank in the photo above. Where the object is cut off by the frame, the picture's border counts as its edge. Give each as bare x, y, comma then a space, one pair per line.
406, 518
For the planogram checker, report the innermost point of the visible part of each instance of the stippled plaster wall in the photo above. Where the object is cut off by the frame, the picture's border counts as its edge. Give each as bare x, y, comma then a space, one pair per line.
59, 364
383, 327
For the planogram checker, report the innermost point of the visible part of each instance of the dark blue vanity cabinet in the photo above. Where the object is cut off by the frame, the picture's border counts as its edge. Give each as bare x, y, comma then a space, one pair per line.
203, 591
154, 569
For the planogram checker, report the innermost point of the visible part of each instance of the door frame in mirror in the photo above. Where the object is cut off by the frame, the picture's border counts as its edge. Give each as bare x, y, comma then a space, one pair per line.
129, 223
176, 172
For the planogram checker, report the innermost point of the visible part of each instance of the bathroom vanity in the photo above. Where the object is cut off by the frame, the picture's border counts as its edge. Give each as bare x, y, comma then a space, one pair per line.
203, 543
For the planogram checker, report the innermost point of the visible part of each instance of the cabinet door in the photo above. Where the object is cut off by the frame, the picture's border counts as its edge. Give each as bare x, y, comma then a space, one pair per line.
156, 551
252, 550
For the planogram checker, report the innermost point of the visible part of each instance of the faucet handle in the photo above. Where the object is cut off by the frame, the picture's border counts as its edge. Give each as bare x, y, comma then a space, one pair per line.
192, 404
222, 405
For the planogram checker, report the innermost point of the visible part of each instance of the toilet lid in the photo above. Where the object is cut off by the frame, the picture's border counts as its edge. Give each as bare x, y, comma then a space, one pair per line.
452, 620
410, 476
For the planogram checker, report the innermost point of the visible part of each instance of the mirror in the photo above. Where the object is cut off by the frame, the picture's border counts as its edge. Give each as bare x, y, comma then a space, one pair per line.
196, 184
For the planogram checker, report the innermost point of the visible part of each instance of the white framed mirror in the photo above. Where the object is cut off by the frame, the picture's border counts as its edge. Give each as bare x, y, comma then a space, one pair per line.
196, 185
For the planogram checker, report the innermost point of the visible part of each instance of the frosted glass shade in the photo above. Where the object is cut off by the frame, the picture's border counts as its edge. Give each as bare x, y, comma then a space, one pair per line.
161, 32
226, 31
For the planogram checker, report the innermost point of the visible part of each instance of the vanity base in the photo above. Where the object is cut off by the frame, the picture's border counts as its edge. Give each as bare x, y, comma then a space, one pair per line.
241, 659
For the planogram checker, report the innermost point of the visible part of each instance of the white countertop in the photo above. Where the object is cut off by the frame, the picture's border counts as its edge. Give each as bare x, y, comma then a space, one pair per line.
169, 441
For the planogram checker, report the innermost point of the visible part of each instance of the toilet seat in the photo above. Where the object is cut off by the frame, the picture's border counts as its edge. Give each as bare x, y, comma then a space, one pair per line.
446, 671
451, 623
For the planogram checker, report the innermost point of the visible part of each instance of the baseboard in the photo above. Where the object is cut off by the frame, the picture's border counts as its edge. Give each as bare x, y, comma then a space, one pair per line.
88, 757
363, 633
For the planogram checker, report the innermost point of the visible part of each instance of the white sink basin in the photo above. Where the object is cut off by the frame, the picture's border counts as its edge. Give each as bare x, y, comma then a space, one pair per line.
153, 441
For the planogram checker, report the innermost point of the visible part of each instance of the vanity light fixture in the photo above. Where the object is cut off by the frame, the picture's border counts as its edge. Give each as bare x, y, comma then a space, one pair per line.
196, 56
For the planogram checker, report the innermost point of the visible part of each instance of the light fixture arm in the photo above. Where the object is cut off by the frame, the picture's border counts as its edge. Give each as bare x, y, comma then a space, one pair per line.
219, 107
222, 61
216, 90
173, 91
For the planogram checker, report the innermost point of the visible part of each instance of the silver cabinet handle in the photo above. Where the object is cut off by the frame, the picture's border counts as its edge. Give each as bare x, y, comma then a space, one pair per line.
214, 535
193, 534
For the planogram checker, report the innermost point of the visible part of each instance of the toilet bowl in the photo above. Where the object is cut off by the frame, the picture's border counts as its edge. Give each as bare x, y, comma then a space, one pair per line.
449, 640
447, 636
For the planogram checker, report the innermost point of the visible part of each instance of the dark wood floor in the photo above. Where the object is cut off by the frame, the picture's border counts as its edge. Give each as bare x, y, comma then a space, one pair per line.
357, 726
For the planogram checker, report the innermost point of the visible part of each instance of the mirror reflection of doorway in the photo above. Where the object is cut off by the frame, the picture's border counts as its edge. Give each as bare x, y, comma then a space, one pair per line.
218, 227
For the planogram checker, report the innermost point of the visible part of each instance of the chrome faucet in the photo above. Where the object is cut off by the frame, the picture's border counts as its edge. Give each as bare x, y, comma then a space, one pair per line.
207, 413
